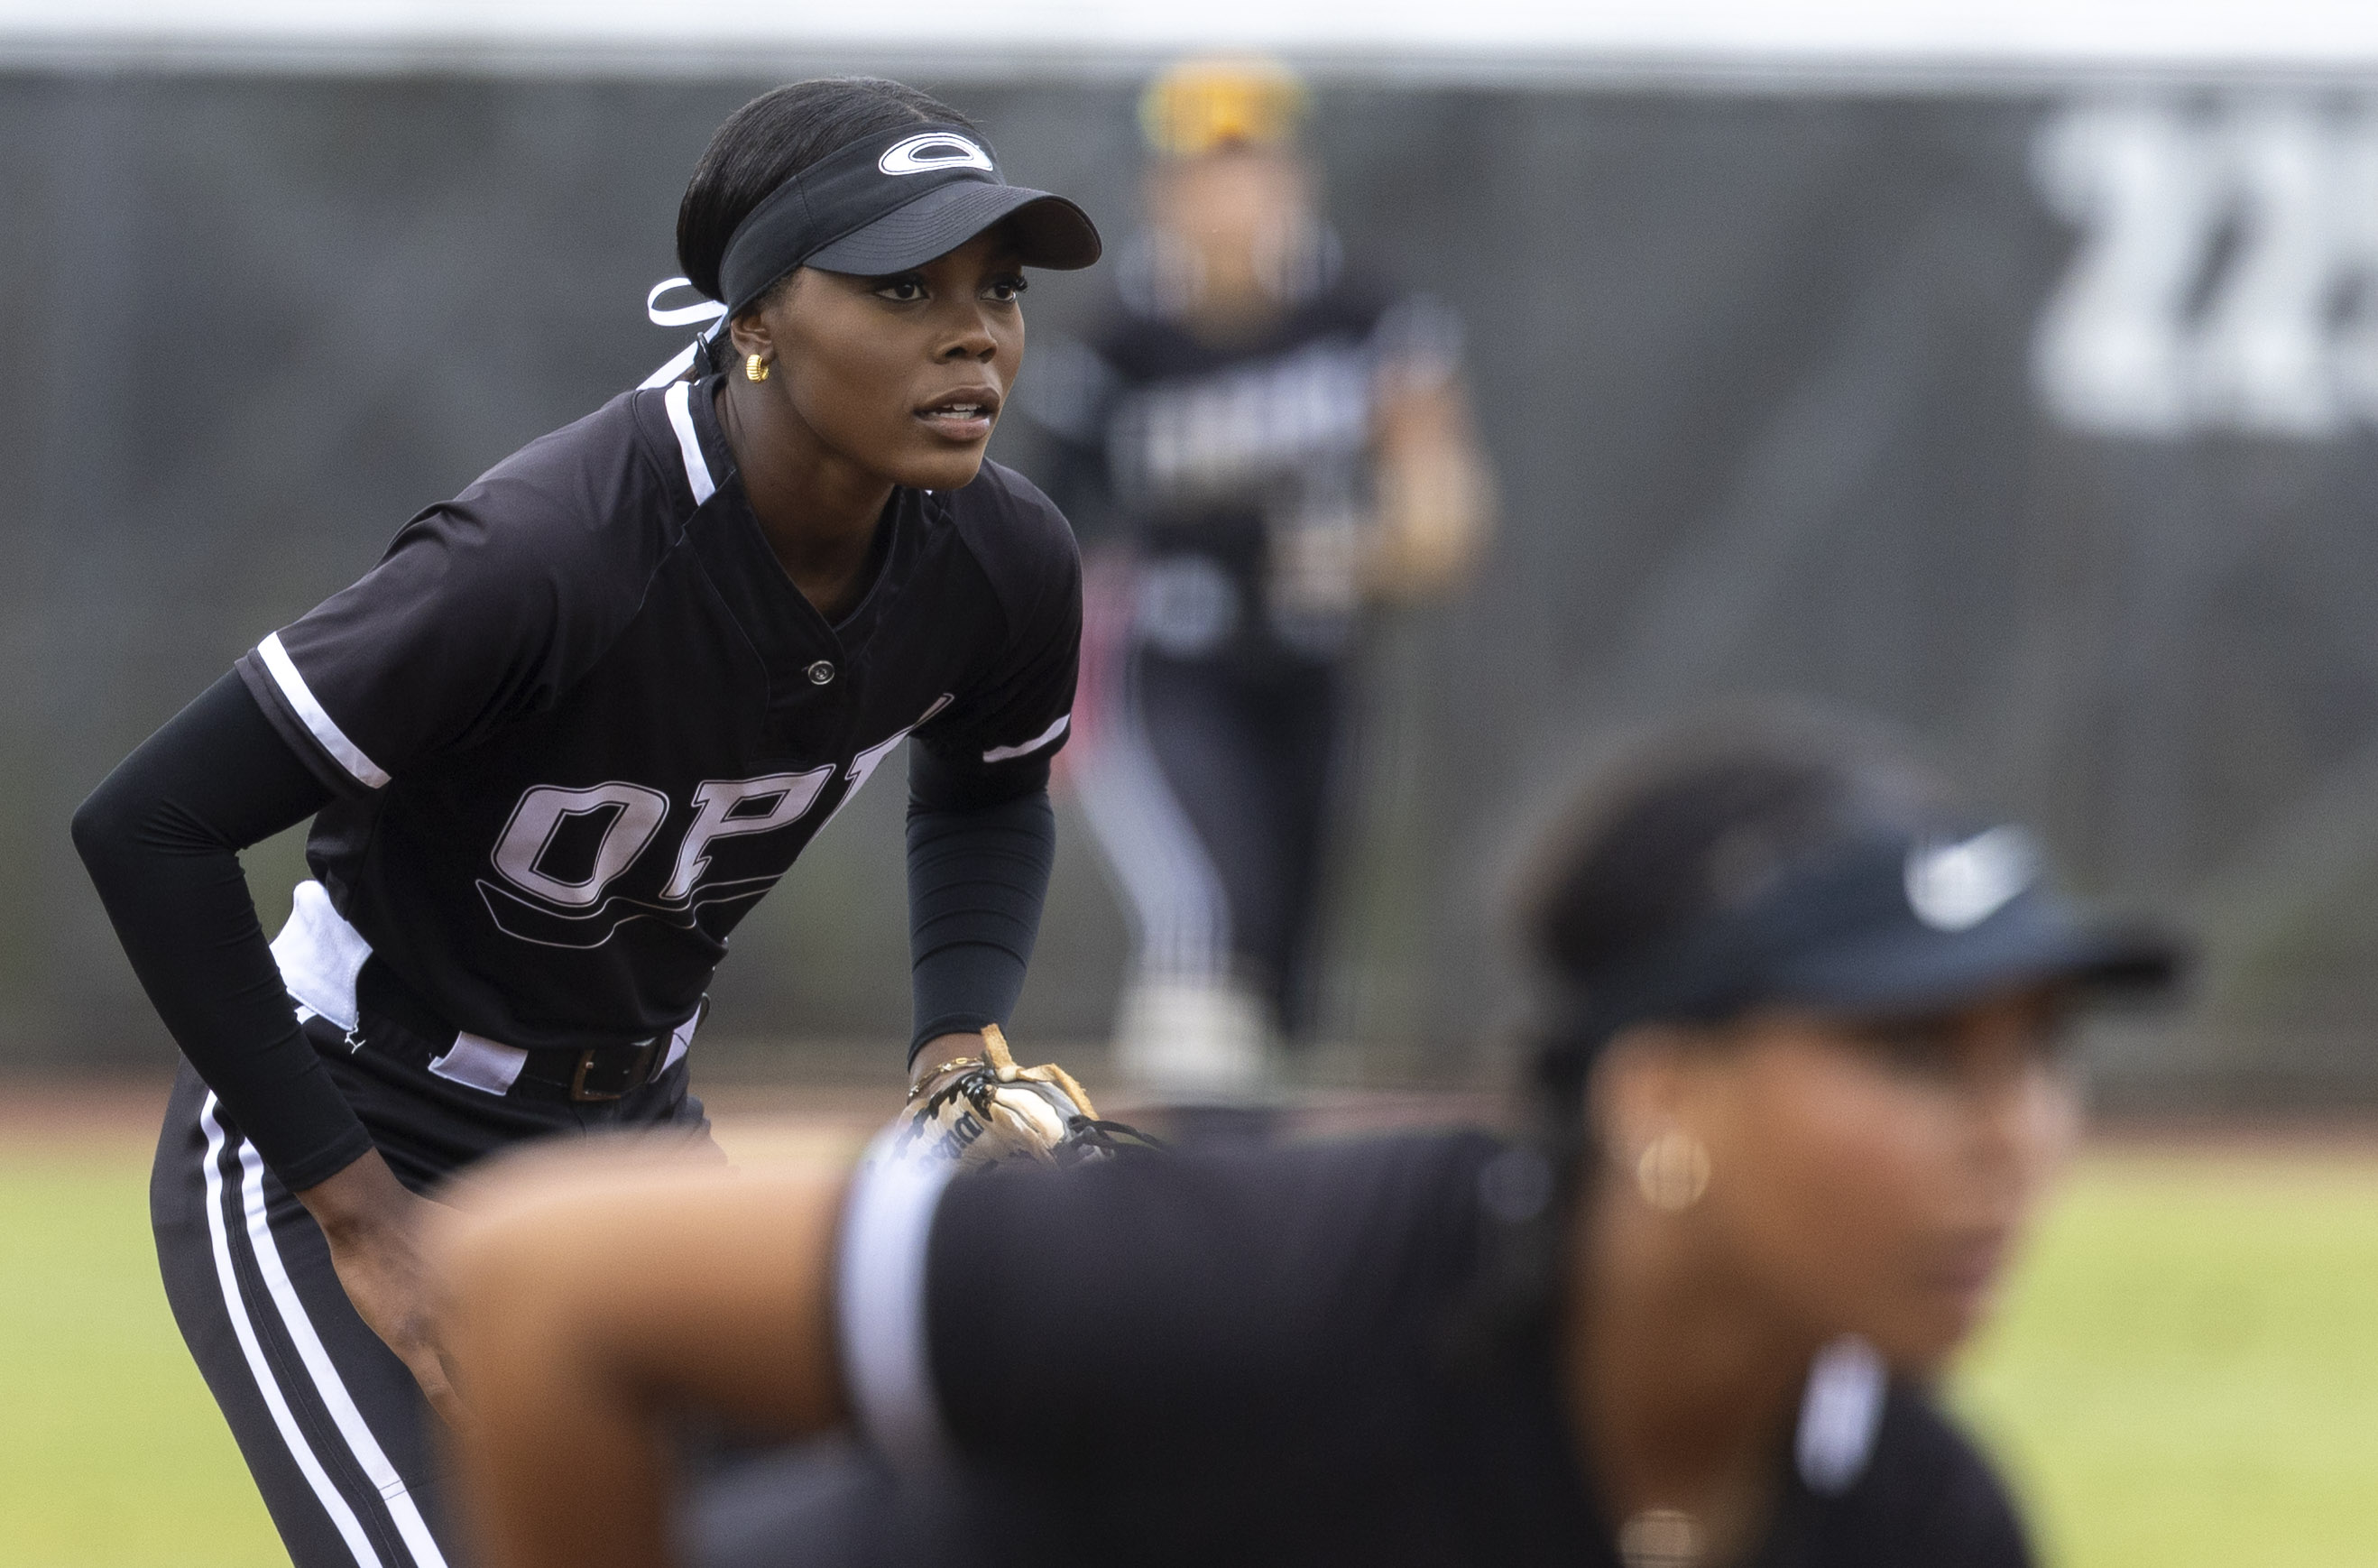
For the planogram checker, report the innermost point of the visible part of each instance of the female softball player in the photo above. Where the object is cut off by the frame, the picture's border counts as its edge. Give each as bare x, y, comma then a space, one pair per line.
1270, 445
562, 738
1801, 1091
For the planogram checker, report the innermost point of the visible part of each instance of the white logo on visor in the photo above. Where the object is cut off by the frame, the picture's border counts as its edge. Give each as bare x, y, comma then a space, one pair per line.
1957, 886
933, 149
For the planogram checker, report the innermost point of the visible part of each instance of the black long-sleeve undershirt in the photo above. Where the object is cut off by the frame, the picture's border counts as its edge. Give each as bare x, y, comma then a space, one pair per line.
977, 876
162, 837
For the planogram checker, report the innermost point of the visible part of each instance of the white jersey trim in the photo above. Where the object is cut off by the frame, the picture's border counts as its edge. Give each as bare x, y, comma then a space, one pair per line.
477, 1062
317, 722
320, 954
1839, 1414
688, 444
1008, 753
887, 1363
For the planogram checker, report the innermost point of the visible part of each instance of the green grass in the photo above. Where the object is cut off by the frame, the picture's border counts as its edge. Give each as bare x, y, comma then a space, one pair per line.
2187, 1374
112, 1455
2187, 1371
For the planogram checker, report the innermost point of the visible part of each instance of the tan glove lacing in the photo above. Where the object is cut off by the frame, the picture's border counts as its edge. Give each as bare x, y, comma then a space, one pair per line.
995, 1057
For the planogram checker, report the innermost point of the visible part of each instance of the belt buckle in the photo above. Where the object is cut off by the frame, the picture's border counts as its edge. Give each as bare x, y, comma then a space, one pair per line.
639, 1074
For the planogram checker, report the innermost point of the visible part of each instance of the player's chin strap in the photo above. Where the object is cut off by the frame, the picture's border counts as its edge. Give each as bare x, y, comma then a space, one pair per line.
712, 314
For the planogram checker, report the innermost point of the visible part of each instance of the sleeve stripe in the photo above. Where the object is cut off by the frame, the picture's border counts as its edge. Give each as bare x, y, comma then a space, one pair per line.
326, 732
1009, 754
688, 444
887, 1361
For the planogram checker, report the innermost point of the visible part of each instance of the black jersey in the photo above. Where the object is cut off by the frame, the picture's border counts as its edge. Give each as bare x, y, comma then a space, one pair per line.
579, 719
1240, 472
1261, 1358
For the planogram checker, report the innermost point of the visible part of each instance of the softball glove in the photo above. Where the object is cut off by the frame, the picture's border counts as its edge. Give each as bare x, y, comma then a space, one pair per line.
984, 1110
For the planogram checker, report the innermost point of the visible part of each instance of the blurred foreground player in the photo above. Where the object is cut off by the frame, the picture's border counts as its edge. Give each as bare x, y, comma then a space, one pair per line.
1801, 1091
559, 740
1263, 445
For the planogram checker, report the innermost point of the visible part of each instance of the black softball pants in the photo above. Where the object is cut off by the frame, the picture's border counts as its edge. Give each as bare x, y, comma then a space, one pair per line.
335, 1432
1219, 782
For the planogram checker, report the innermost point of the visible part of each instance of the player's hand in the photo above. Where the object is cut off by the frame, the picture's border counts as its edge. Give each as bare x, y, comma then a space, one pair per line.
373, 1226
1436, 495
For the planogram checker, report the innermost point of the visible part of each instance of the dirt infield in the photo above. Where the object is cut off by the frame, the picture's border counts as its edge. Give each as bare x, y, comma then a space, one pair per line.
112, 1117
757, 1120
57, 1115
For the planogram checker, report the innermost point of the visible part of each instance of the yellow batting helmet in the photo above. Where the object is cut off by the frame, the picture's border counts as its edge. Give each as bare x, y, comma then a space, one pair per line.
1199, 106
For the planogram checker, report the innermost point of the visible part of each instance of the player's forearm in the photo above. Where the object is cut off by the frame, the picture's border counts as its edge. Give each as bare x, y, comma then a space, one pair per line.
977, 882
1436, 493
564, 1466
589, 1297
160, 838
360, 1202
589, 1280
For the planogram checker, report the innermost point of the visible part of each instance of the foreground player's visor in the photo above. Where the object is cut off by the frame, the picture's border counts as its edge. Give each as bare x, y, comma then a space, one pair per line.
1884, 921
896, 200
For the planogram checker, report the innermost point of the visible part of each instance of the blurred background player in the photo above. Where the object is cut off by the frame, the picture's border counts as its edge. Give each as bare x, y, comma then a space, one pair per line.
1266, 445
1801, 1089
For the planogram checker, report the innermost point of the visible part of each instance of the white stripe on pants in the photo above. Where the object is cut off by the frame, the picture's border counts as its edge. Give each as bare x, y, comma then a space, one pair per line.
314, 1420
1179, 911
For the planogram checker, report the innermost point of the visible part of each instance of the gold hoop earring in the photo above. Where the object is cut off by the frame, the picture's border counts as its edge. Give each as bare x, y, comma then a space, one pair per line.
755, 369
1672, 1172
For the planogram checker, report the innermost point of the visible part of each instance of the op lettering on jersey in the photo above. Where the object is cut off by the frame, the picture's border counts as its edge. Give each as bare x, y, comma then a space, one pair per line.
579, 720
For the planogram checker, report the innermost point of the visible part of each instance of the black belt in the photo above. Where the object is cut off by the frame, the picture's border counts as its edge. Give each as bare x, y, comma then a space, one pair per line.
594, 1075
606, 1072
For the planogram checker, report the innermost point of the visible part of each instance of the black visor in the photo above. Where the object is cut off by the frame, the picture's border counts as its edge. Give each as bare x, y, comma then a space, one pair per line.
1885, 923
896, 200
